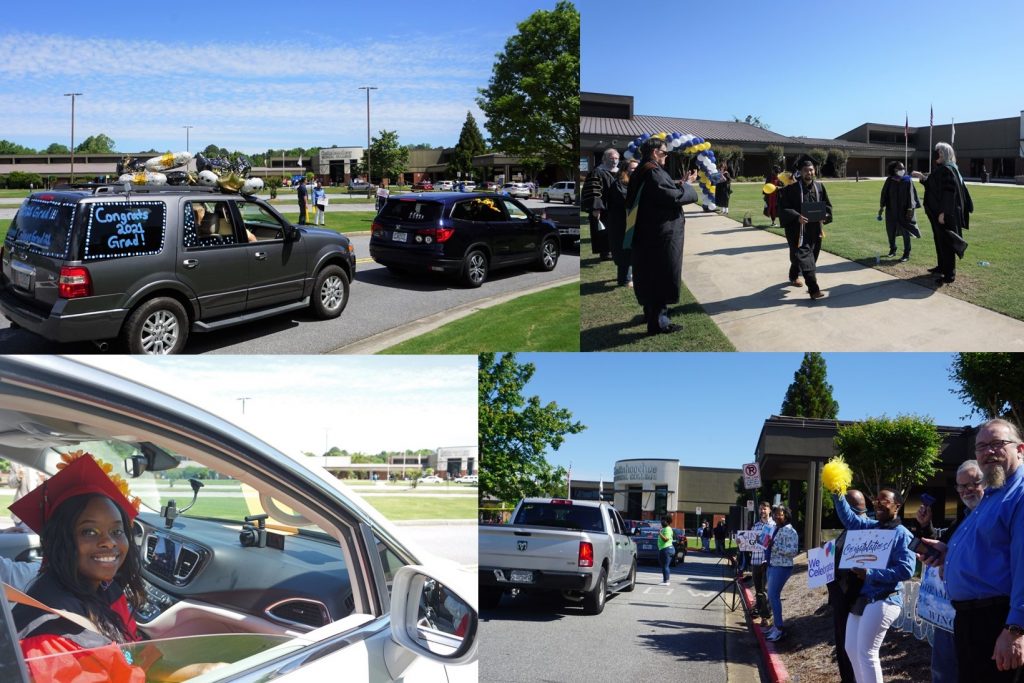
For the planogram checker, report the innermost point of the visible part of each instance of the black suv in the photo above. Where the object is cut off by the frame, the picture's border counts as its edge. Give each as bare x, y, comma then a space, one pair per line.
462, 234
147, 265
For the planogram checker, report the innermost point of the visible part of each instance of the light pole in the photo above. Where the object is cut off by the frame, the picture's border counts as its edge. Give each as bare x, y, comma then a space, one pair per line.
368, 88
72, 95
243, 399
187, 130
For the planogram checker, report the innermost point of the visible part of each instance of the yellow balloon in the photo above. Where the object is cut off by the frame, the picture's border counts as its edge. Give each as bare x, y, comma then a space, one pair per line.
769, 188
787, 178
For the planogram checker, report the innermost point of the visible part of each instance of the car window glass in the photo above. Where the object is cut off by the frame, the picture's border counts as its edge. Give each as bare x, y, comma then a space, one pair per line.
412, 211
43, 227
479, 210
515, 212
207, 224
560, 516
260, 221
119, 229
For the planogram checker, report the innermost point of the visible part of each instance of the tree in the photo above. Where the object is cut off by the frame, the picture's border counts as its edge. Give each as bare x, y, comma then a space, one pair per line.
820, 156
8, 147
732, 154
839, 158
515, 432
992, 384
900, 452
96, 144
810, 394
470, 144
387, 157
57, 148
532, 101
420, 145
776, 155
753, 120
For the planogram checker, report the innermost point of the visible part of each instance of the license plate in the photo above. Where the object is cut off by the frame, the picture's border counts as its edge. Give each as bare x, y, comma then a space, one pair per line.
647, 546
22, 280
521, 576
399, 236
570, 231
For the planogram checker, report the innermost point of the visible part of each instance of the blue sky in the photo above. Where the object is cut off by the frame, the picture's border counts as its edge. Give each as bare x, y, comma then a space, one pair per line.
708, 409
866, 61
365, 403
249, 76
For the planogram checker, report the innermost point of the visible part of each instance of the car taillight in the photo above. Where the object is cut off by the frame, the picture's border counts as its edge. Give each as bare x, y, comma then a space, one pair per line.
74, 282
429, 235
375, 228
586, 554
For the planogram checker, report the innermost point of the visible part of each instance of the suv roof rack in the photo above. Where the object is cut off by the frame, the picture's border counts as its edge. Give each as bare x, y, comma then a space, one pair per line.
125, 188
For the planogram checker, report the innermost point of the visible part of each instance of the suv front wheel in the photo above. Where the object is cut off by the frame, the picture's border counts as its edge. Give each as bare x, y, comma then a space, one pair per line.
158, 326
330, 292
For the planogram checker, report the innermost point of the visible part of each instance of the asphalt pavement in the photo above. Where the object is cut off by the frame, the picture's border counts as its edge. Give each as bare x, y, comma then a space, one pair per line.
653, 633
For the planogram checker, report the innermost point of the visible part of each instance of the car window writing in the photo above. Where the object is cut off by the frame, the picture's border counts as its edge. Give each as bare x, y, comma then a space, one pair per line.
119, 229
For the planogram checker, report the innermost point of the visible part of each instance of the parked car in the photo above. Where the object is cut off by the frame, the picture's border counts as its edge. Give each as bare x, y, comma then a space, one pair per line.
430, 479
322, 585
467, 479
521, 190
491, 186
461, 235
568, 220
467, 185
646, 539
359, 186
444, 185
149, 265
581, 548
564, 191
423, 186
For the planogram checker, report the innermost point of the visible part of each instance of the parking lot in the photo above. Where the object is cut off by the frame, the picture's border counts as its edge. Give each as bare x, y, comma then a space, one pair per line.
654, 633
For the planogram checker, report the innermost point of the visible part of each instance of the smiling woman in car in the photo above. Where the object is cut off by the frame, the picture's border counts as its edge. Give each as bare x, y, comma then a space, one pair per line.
90, 575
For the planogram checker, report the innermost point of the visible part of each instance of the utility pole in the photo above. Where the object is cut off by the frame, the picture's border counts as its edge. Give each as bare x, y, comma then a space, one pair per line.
368, 88
72, 95
187, 129
243, 399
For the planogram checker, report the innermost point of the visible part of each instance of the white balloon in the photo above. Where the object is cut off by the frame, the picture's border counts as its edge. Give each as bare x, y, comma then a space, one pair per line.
252, 186
208, 178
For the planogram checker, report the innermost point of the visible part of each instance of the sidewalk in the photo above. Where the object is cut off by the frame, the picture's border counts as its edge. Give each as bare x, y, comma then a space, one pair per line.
739, 277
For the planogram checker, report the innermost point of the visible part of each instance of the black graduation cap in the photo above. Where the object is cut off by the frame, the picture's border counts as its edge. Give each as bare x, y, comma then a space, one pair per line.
802, 161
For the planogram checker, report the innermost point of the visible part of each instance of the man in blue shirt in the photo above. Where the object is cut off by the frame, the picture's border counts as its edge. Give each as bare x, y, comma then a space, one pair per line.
984, 563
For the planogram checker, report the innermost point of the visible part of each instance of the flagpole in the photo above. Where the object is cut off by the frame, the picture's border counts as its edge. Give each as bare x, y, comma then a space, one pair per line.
906, 135
931, 125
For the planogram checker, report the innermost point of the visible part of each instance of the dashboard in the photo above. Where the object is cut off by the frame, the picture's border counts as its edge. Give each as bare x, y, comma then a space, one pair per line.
202, 577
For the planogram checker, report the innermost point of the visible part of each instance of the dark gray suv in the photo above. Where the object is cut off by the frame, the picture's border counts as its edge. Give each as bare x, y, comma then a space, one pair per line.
149, 265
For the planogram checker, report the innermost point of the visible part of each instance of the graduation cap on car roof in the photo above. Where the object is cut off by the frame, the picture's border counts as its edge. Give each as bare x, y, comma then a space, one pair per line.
80, 474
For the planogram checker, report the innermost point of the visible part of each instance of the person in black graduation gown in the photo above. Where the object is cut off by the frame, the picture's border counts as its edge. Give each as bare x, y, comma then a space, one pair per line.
948, 206
658, 234
614, 218
898, 201
596, 188
803, 235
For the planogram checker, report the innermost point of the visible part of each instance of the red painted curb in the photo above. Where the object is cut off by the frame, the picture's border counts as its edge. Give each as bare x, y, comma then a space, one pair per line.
777, 671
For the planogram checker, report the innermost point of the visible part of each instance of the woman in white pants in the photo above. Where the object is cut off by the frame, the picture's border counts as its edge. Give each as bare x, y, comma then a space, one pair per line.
880, 600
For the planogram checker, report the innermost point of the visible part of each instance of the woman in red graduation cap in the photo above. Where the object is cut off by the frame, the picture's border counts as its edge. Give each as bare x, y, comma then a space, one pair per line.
90, 568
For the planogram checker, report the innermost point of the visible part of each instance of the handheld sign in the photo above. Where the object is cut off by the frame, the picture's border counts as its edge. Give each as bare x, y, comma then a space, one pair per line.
747, 541
933, 603
821, 565
867, 548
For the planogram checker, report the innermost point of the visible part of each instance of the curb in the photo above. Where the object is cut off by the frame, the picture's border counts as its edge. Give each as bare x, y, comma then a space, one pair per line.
777, 671
389, 338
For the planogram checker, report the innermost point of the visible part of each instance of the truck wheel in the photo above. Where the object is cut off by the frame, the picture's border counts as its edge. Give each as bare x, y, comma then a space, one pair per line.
632, 579
330, 293
490, 597
547, 198
158, 326
593, 602
567, 199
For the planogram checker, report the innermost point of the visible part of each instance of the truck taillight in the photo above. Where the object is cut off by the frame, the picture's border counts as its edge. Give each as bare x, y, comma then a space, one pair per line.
586, 554
74, 282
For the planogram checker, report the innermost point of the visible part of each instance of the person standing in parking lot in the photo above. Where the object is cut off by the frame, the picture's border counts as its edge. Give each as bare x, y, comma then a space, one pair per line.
759, 560
302, 195
666, 548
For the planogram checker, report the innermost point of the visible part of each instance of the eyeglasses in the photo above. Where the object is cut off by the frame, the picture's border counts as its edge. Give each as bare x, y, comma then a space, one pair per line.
991, 445
960, 488
661, 152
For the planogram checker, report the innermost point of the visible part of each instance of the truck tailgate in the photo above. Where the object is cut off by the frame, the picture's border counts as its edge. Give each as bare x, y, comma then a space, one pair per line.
524, 547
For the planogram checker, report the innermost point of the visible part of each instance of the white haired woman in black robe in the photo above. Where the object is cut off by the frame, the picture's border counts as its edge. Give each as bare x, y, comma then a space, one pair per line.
658, 234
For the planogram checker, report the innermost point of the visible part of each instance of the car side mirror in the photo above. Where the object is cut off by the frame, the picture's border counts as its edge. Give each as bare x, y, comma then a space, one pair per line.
433, 615
291, 233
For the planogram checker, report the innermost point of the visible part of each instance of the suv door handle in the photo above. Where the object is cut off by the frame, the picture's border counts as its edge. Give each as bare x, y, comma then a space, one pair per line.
190, 262
260, 255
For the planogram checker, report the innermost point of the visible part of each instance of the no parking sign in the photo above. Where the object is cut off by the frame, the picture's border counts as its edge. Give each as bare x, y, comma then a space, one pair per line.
751, 476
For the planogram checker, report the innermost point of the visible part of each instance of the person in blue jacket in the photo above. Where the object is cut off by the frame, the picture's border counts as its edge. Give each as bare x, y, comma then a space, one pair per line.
880, 599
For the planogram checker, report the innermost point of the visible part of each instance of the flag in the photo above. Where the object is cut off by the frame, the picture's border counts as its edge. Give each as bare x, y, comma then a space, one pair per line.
952, 135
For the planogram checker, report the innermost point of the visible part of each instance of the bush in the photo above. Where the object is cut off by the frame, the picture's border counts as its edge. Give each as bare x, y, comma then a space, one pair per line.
17, 180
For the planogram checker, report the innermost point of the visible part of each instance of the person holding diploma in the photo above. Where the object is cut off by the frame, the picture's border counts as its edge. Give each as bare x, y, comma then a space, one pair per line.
879, 601
804, 208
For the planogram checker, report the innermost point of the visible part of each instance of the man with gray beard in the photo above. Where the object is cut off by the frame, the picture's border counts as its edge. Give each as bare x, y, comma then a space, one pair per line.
970, 486
983, 563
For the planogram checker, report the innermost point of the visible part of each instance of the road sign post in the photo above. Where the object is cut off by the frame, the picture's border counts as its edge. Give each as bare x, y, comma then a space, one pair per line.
751, 476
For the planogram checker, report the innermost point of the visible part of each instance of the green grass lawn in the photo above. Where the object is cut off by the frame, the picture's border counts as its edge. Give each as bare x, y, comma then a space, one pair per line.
856, 235
398, 508
544, 321
612, 320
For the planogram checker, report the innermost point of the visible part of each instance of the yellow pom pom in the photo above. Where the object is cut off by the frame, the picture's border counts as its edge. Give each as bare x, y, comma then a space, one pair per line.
836, 476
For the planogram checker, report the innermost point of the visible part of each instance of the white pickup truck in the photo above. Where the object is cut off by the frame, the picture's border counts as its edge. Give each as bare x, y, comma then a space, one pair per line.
581, 548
